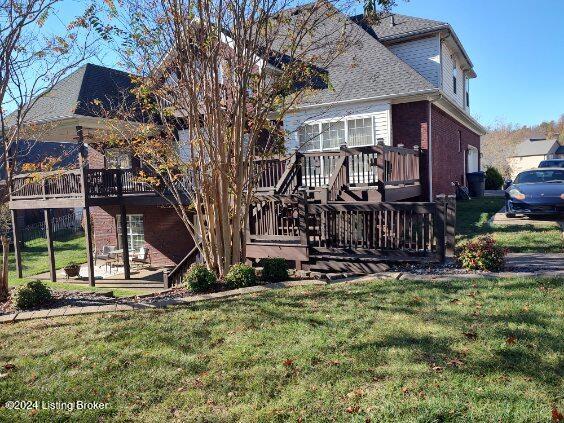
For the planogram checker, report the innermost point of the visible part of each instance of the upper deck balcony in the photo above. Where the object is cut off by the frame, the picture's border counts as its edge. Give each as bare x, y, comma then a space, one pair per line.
67, 189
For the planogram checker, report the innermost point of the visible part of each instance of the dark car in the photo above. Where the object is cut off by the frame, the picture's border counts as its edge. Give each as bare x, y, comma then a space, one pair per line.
536, 192
552, 163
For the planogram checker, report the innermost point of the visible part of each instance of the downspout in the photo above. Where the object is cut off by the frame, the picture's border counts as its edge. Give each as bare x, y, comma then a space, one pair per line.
430, 149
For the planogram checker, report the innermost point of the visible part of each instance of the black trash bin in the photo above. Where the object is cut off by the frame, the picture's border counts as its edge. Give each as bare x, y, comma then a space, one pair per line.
476, 183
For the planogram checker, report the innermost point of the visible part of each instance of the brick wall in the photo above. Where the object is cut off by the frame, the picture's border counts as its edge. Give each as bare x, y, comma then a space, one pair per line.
166, 237
410, 127
95, 158
448, 156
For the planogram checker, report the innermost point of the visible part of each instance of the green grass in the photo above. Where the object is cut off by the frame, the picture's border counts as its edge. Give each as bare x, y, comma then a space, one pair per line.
389, 351
472, 220
35, 260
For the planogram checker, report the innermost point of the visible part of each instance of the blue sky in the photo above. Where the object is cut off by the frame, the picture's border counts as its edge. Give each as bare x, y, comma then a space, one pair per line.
517, 48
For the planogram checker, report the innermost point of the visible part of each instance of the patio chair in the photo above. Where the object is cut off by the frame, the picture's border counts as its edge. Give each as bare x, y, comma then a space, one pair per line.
141, 258
105, 254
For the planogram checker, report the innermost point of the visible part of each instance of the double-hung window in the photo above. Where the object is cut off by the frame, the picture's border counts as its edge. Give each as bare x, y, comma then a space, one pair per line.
135, 231
332, 135
454, 75
309, 138
360, 132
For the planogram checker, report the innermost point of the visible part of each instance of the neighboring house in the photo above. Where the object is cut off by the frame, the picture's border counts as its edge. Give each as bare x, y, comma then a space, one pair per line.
406, 82
529, 153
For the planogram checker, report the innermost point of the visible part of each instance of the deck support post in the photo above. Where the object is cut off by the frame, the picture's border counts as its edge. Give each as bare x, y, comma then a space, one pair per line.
89, 245
440, 225
50, 250
124, 245
17, 243
450, 225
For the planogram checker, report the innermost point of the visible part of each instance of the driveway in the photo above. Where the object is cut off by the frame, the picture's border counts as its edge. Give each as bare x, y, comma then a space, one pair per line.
500, 219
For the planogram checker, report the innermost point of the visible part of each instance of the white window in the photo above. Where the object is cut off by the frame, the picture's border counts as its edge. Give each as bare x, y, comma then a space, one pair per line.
360, 132
467, 89
332, 135
309, 137
135, 231
454, 75
117, 158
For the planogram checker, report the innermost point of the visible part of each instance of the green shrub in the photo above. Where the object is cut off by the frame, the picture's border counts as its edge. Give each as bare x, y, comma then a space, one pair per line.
494, 179
199, 278
32, 294
240, 275
274, 269
481, 253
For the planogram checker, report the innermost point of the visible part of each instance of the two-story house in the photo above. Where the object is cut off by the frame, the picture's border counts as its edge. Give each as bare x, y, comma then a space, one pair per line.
398, 99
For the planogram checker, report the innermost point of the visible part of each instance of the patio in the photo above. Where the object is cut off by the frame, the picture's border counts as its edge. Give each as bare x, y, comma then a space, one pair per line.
106, 276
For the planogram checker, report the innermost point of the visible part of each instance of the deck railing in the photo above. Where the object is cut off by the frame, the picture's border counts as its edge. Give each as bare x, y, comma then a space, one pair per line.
47, 184
365, 166
397, 230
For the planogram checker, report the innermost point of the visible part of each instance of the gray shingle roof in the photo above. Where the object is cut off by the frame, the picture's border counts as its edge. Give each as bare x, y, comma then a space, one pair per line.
365, 69
394, 25
536, 147
75, 94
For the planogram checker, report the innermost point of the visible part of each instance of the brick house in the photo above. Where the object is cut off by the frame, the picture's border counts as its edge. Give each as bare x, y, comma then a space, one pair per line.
409, 86
407, 96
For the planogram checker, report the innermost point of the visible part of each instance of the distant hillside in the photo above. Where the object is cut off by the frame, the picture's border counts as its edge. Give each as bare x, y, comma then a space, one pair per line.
500, 141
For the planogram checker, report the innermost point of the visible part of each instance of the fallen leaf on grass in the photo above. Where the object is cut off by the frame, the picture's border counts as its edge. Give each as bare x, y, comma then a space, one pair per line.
525, 308
9, 366
3, 375
456, 301
405, 390
511, 340
557, 416
455, 362
438, 369
288, 362
181, 389
471, 335
352, 409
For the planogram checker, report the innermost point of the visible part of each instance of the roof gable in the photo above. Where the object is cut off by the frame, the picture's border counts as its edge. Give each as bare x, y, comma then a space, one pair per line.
393, 25
536, 147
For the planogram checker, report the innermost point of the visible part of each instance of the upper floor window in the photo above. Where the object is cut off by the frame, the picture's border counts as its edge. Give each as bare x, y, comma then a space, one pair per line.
454, 75
117, 158
467, 92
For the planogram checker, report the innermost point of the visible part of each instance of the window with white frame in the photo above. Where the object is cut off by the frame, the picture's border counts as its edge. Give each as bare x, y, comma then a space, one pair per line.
454, 75
467, 90
135, 231
116, 158
360, 132
332, 135
308, 136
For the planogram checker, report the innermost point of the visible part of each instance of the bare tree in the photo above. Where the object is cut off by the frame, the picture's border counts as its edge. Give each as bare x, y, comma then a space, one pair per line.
32, 60
222, 74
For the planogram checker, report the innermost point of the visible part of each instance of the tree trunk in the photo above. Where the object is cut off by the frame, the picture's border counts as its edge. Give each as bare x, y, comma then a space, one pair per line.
4, 272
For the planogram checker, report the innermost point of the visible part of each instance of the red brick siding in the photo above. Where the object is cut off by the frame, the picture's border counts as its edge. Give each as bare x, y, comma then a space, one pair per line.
95, 158
410, 127
166, 236
448, 162
410, 124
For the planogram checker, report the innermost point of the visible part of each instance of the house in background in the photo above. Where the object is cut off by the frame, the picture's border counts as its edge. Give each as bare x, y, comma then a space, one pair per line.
406, 82
530, 152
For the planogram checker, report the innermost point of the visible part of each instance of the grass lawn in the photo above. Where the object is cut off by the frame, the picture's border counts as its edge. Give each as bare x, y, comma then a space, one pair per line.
35, 260
472, 220
385, 350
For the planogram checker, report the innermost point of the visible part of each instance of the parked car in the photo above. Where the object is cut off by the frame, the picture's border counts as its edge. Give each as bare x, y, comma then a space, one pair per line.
536, 192
552, 163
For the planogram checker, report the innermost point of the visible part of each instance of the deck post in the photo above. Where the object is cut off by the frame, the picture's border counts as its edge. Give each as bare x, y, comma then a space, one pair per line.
89, 252
124, 245
450, 225
83, 162
17, 243
50, 250
440, 225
